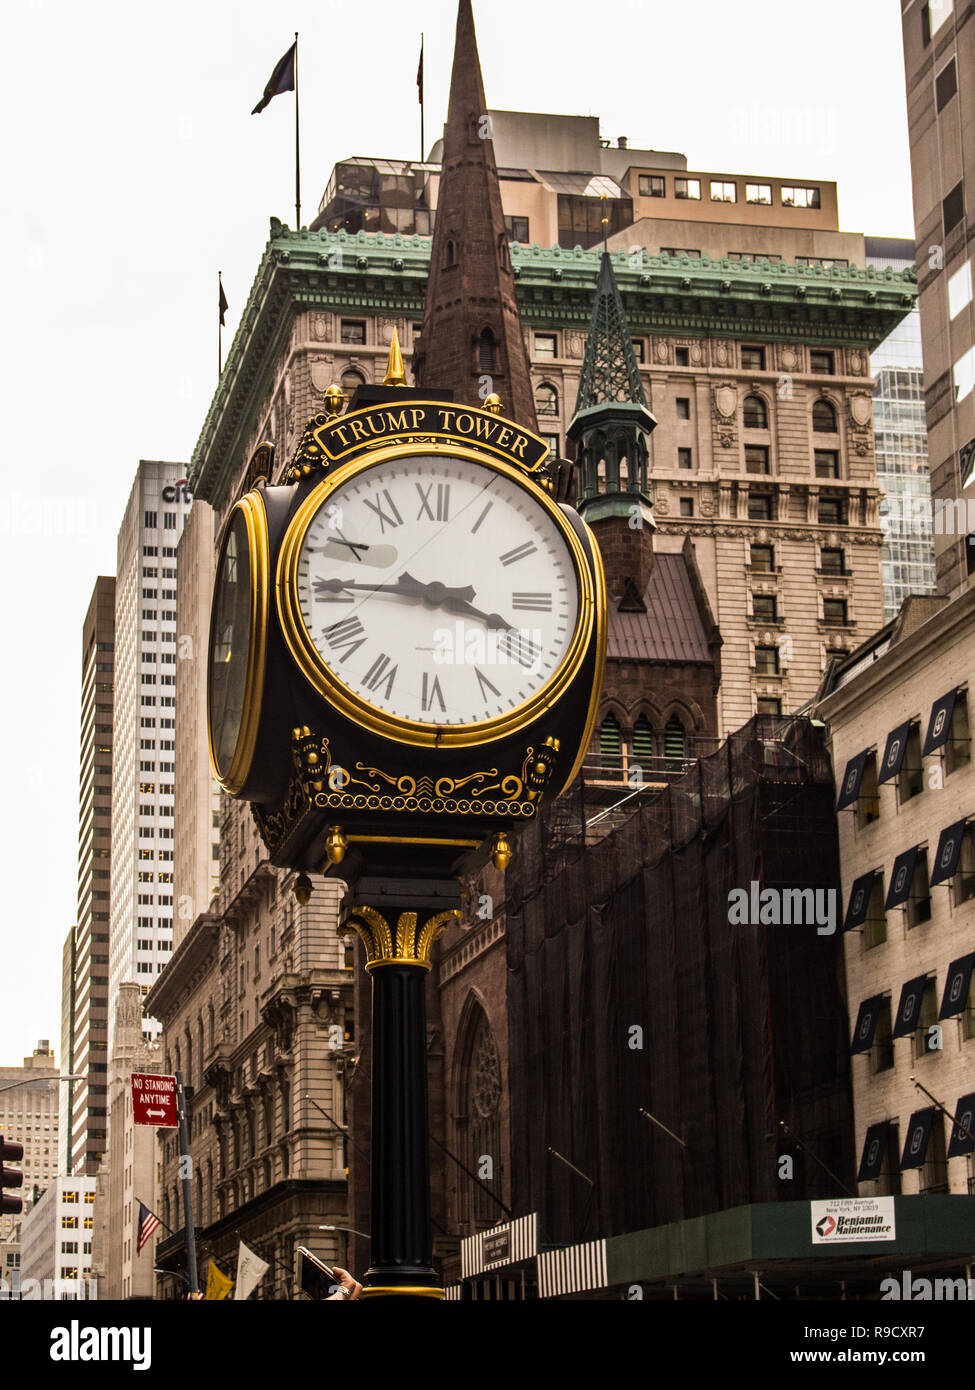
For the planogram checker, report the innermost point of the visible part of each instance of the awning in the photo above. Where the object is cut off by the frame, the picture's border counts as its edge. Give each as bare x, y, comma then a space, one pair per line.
507, 1244
866, 1024
575, 1269
960, 1142
894, 752
939, 725
852, 778
957, 985
856, 912
874, 1152
918, 1134
909, 1008
900, 878
949, 848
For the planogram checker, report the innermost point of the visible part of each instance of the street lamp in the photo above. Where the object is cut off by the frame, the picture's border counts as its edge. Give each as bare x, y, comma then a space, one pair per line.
68, 1076
364, 1234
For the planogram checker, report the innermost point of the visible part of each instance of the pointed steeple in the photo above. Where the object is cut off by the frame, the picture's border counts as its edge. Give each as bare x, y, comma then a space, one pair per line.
611, 429
471, 329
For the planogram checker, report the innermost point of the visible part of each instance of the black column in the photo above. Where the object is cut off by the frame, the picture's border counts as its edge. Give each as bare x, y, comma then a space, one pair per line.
402, 1246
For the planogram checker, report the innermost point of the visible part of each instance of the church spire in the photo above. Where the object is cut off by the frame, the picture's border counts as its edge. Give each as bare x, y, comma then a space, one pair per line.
471, 329
609, 368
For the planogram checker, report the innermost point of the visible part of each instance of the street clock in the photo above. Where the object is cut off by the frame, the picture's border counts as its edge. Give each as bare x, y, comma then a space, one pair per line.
407, 637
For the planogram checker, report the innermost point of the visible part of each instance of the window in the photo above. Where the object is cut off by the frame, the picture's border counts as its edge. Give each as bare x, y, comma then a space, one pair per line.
868, 801
953, 207
682, 356
821, 361
652, 186
353, 331
351, 381
958, 750
832, 511
685, 458
750, 257
911, 779
675, 739
687, 506
767, 705
687, 188
919, 904
486, 351
827, 262
610, 745
545, 345
960, 290
827, 463
762, 558
875, 924
766, 661
800, 197
964, 374
882, 1058
758, 193
756, 458
554, 443
639, 349
69, 1223
963, 886
760, 506
824, 417
683, 408
765, 608
517, 229
546, 399
149, 520
641, 745
831, 561
692, 254
723, 192
752, 358
150, 550
834, 612
754, 413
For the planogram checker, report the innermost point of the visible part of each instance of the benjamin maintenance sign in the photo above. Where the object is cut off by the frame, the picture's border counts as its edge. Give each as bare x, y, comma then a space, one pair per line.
849, 1219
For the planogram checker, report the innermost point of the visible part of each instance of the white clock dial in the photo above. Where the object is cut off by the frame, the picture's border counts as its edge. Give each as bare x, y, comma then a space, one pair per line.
437, 589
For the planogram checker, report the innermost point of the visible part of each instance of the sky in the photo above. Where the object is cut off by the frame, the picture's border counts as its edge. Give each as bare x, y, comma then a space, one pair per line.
133, 172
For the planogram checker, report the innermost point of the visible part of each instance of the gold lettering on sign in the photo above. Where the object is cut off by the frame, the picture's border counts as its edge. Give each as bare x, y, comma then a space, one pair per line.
358, 429
445, 418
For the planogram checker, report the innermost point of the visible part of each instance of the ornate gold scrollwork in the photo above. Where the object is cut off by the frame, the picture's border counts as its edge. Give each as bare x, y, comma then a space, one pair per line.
410, 945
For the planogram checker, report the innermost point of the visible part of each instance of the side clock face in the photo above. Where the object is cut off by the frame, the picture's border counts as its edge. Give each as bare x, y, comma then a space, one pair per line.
434, 597
237, 639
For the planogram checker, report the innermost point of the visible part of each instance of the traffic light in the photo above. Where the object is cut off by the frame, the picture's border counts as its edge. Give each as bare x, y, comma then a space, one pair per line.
10, 1177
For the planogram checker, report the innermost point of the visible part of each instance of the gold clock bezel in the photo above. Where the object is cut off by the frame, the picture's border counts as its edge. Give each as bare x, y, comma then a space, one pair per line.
326, 683
251, 507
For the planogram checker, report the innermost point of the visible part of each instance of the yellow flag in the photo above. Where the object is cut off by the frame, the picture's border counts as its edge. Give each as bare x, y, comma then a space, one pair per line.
218, 1285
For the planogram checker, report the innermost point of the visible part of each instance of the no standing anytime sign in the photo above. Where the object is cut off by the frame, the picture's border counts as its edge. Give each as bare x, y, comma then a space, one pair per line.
154, 1100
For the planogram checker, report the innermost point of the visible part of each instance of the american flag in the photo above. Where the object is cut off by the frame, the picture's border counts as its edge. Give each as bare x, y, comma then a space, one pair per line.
147, 1224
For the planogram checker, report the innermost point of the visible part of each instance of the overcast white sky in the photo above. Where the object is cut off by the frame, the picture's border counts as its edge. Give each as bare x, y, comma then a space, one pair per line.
133, 171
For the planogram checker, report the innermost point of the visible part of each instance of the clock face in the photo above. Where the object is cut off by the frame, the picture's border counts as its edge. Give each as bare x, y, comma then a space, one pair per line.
437, 590
236, 644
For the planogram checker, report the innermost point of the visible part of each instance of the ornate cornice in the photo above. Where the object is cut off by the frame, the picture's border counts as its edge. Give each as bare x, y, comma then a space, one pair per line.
375, 273
409, 943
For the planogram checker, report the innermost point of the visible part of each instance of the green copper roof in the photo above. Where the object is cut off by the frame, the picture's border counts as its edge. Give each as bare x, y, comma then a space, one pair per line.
369, 273
609, 367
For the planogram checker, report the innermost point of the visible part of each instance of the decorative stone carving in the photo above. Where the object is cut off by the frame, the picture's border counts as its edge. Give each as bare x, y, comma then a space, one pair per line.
861, 410
661, 504
574, 345
697, 356
321, 327
320, 371
726, 401
720, 354
788, 360
661, 351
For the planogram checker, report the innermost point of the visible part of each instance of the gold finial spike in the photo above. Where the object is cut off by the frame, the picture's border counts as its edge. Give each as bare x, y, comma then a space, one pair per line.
334, 399
395, 372
501, 851
493, 403
335, 845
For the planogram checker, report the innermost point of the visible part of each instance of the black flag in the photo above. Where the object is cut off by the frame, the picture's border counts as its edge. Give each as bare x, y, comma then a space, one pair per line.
282, 79
419, 76
224, 306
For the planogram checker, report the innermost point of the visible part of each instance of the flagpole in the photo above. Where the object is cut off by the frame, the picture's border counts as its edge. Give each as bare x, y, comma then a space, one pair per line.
220, 327
186, 1163
297, 148
423, 143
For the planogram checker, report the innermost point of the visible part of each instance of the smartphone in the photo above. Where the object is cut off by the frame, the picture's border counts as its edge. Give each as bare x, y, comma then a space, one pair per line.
315, 1277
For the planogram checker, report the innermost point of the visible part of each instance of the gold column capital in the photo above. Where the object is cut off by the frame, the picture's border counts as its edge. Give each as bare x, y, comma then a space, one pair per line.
410, 944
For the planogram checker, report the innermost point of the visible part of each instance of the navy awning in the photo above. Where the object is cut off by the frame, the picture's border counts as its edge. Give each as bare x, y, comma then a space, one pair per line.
866, 1024
957, 985
939, 725
918, 1134
960, 1142
856, 911
852, 778
909, 1009
949, 848
894, 752
900, 878
874, 1152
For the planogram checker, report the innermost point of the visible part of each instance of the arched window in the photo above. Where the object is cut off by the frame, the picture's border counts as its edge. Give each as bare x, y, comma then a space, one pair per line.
480, 1102
210, 1027
450, 253
755, 414
285, 1107
824, 417
610, 745
200, 1053
546, 399
642, 744
351, 380
601, 476
486, 351
675, 740
624, 475
266, 1166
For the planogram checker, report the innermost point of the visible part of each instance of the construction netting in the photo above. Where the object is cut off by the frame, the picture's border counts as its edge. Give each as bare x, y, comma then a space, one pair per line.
665, 1060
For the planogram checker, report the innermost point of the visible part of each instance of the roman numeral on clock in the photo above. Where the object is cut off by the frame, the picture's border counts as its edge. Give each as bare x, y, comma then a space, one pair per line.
391, 518
519, 553
536, 603
485, 685
520, 647
378, 673
442, 501
345, 637
429, 693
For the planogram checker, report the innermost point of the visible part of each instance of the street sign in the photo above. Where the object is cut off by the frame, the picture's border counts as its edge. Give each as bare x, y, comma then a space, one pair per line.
154, 1100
